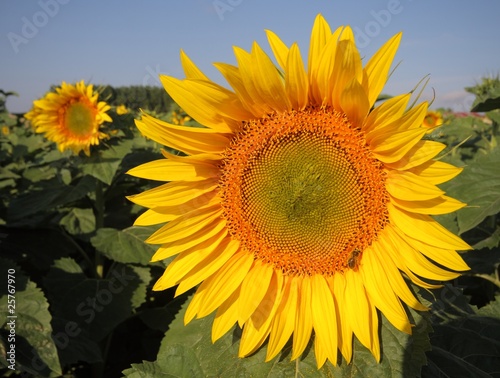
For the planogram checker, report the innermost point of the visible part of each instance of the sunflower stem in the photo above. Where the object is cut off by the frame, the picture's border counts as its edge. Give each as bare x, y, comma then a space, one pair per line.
99, 223
494, 281
80, 250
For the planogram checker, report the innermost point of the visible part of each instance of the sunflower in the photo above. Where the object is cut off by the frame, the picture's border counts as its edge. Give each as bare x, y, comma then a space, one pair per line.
71, 117
433, 119
299, 207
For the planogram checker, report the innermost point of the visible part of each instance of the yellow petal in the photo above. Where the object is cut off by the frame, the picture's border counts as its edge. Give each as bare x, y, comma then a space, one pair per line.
377, 68
296, 84
173, 248
280, 50
418, 263
393, 246
186, 224
412, 119
257, 328
319, 36
445, 257
436, 172
183, 263
167, 170
226, 316
164, 214
423, 227
246, 75
208, 266
151, 217
338, 285
284, 320
392, 147
380, 290
207, 102
253, 289
324, 81
194, 305
174, 193
354, 103
419, 154
234, 78
391, 271
268, 81
348, 67
358, 310
386, 113
190, 69
224, 282
324, 317
409, 187
434, 206
191, 140
303, 321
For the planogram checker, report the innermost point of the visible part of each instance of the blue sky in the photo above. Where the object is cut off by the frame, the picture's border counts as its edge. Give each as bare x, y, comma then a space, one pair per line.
125, 42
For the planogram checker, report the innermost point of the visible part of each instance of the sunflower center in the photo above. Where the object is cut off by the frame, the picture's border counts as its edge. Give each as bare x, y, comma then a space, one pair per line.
79, 119
302, 191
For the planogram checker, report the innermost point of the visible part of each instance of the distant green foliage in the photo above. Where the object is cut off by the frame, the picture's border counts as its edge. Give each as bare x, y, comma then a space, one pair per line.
137, 97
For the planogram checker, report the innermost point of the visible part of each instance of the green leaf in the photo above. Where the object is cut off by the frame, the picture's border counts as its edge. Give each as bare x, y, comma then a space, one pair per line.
86, 185
31, 203
125, 246
478, 186
35, 351
104, 164
36, 174
139, 293
79, 221
173, 361
188, 351
490, 242
96, 305
494, 116
468, 345
492, 102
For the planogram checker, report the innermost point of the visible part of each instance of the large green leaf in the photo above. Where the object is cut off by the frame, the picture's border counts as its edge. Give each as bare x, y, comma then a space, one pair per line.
23, 207
125, 246
30, 319
36, 174
467, 346
79, 221
187, 351
478, 186
96, 305
86, 185
487, 104
490, 242
104, 164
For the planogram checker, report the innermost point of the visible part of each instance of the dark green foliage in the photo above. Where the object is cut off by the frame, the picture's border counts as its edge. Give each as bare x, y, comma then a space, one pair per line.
137, 97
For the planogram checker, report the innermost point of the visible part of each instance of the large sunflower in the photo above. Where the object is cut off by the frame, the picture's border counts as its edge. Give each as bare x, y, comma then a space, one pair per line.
299, 207
71, 117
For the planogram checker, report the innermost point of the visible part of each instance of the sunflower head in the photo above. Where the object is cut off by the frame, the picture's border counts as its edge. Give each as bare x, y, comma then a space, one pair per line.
71, 117
299, 207
433, 119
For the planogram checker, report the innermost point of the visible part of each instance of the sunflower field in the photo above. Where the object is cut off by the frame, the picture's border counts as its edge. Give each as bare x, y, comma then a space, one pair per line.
271, 230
